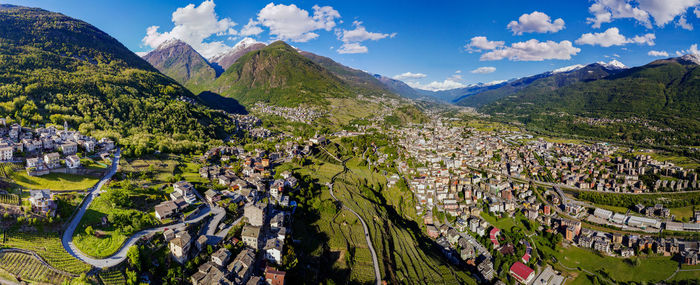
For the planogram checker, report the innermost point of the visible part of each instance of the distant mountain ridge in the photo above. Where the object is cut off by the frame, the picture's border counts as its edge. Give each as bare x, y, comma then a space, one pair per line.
661, 96
549, 80
181, 62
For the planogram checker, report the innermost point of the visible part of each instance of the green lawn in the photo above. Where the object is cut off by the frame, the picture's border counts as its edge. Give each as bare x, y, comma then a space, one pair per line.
54, 181
92, 164
683, 212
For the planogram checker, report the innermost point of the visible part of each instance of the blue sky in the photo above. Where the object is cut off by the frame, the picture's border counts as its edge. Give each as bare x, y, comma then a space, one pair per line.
435, 46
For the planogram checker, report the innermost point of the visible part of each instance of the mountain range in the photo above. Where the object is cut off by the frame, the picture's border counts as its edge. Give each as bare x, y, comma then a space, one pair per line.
281, 75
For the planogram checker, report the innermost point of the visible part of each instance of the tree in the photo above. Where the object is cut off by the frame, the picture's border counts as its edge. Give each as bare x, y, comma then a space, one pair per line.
134, 256
132, 278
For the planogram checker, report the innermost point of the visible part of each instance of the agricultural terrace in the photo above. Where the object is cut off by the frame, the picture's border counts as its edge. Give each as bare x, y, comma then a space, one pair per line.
48, 246
28, 267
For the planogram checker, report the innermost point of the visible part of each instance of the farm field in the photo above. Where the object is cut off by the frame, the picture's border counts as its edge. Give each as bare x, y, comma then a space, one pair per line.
49, 247
53, 181
28, 267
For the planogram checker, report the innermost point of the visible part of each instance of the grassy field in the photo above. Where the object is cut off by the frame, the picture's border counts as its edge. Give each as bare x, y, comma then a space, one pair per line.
54, 181
650, 269
94, 164
49, 247
27, 267
683, 212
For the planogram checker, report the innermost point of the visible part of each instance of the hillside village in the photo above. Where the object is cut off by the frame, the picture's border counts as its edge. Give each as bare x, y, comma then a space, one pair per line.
46, 150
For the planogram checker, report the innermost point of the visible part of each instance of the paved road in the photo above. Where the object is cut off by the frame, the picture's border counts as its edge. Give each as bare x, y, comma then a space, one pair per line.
120, 255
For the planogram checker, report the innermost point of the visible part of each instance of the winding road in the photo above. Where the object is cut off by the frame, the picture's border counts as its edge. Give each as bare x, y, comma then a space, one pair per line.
120, 255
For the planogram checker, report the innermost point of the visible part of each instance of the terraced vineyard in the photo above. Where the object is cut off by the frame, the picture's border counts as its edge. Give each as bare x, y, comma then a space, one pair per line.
12, 199
28, 267
49, 247
406, 255
113, 277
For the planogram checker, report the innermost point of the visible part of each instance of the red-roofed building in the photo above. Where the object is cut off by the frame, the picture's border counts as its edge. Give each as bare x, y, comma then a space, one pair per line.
522, 273
494, 236
274, 276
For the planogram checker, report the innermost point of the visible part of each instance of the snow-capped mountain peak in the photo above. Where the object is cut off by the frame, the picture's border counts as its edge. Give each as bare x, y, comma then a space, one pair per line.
568, 68
613, 64
169, 43
695, 58
244, 43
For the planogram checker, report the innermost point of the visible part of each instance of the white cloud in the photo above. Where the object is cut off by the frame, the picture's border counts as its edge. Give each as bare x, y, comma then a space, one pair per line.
604, 11
662, 11
194, 24
692, 50
250, 29
697, 12
350, 48
356, 36
141, 53
683, 23
535, 22
657, 53
409, 75
476, 44
665, 11
612, 37
447, 84
360, 34
484, 70
533, 50
289, 22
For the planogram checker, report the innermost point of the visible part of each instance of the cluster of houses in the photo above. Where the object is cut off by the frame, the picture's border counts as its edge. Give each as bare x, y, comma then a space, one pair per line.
441, 146
264, 238
182, 196
294, 114
47, 149
265, 209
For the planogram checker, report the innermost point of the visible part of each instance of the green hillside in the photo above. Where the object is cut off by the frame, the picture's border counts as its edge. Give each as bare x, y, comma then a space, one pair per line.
361, 82
279, 75
55, 68
659, 101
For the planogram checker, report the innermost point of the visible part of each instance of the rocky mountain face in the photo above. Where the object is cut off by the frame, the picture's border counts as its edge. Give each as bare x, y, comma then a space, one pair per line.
181, 62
